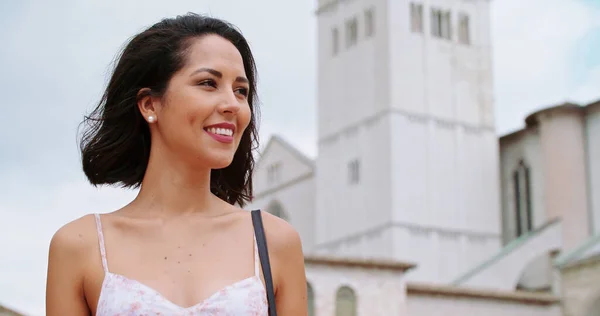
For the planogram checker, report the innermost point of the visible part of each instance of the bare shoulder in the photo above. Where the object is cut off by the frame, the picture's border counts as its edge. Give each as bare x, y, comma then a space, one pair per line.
281, 236
75, 239
287, 261
68, 258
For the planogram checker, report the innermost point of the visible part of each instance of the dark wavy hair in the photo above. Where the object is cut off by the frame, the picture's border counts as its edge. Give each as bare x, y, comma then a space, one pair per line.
115, 145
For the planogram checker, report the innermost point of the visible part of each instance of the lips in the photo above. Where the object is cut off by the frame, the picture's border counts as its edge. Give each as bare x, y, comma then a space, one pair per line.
221, 132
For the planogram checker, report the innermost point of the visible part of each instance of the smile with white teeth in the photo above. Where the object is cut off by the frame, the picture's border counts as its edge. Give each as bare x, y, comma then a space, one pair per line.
220, 131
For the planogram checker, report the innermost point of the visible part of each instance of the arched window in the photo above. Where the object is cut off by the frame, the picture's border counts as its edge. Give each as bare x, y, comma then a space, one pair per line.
345, 302
276, 209
522, 195
310, 295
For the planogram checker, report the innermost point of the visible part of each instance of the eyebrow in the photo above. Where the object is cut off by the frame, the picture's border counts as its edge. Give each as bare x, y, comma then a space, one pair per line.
218, 74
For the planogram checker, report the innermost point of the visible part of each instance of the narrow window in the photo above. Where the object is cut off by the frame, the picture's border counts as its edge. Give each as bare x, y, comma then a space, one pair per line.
528, 210
416, 18
446, 30
517, 193
273, 172
464, 36
335, 41
345, 302
441, 25
369, 23
436, 19
353, 171
351, 32
523, 206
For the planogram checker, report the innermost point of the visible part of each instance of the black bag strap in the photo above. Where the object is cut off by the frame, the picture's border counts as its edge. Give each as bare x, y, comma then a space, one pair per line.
263, 253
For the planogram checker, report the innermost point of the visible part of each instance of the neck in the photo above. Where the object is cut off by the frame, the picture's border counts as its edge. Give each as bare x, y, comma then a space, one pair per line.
173, 187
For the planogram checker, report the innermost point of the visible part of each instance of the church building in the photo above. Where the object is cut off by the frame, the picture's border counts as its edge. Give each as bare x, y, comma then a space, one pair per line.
413, 205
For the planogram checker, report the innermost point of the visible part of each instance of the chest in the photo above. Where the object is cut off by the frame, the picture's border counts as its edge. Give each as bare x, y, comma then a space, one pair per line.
122, 295
182, 259
178, 273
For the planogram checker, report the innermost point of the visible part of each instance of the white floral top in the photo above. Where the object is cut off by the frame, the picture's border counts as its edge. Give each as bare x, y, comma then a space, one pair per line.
121, 296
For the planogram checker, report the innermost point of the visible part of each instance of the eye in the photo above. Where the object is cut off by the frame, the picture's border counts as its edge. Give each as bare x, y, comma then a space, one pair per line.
209, 83
242, 91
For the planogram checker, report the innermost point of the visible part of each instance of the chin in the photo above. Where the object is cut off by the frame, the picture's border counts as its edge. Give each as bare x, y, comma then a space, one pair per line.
219, 161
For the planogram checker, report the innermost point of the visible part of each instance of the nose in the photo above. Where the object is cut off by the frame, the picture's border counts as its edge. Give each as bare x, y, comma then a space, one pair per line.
229, 104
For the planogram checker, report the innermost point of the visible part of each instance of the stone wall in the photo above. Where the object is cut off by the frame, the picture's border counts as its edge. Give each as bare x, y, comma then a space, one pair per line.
379, 287
430, 300
581, 288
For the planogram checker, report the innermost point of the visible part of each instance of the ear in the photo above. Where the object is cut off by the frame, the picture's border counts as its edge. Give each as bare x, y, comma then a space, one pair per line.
147, 105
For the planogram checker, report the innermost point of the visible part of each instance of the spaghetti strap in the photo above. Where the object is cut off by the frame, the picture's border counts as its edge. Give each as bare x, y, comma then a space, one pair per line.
263, 253
101, 242
256, 258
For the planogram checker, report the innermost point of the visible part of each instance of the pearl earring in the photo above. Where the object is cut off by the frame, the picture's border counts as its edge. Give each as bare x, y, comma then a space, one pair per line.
151, 119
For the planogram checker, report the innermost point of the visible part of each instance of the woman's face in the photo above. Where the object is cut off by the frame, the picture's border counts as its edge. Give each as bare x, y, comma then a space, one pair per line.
205, 109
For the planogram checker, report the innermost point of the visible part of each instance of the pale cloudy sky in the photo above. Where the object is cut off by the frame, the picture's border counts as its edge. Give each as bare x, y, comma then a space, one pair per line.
55, 57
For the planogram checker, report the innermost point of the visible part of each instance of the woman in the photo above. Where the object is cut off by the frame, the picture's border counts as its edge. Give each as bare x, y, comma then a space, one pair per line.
178, 119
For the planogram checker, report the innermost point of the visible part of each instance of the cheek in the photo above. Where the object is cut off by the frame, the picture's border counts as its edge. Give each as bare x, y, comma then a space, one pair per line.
180, 109
192, 118
244, 116
195, 114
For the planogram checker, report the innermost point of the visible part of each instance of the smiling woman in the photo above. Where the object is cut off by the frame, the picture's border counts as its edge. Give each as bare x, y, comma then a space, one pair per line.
177, 120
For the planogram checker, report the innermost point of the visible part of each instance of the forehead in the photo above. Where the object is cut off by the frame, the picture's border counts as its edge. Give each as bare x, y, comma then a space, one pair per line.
215, 52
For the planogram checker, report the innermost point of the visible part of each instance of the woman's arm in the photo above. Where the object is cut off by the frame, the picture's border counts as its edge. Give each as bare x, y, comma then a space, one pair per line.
64, 285
287, 260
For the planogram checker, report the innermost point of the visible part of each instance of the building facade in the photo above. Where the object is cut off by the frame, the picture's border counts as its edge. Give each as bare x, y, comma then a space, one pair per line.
387, 69
413, 205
